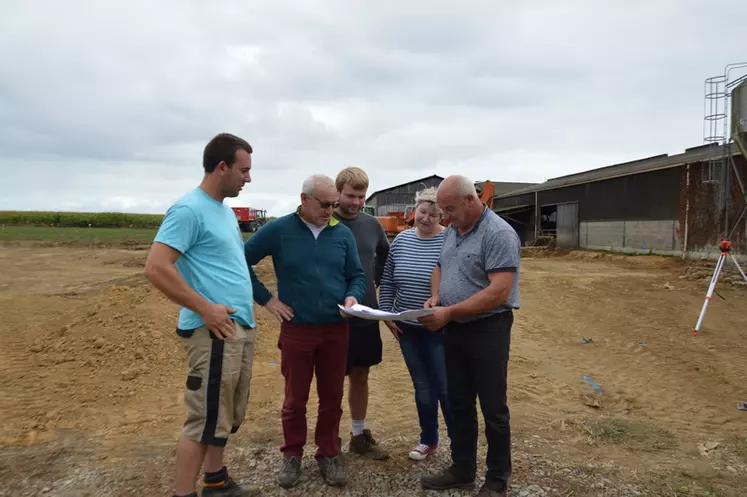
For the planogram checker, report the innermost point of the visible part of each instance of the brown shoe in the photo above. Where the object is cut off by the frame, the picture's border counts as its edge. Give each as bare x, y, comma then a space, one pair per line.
447, 480
290, 472
332, 470
365, 445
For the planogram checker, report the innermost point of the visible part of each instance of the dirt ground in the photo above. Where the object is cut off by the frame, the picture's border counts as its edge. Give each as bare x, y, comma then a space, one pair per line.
92, 376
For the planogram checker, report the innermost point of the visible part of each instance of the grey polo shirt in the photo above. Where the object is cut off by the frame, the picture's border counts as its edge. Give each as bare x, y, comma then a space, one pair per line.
466, 261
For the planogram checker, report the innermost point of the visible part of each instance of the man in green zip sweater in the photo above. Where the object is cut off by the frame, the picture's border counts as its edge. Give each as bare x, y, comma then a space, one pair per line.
318, 268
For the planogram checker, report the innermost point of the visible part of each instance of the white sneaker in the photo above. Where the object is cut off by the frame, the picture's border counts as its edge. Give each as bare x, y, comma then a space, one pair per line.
422, 451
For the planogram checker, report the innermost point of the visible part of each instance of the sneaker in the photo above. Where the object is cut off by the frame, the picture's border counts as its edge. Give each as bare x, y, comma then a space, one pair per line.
422, 451
446, 480
332, 470
290, 471
365, 445
230, 488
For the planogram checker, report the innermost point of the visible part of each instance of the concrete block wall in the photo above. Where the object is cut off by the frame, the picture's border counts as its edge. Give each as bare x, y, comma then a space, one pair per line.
631, 236
658, 235
643, 237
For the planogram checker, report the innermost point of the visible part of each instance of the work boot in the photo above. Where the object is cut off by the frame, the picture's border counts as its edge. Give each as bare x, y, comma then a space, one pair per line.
365, 445
446, 480
230, 488
290, 472
332, 470
489, 492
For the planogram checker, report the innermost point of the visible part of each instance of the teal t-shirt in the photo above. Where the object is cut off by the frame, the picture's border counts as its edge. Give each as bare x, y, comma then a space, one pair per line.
212, 263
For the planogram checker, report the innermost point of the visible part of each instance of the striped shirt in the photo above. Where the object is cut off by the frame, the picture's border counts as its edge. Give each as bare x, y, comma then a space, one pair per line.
406, 280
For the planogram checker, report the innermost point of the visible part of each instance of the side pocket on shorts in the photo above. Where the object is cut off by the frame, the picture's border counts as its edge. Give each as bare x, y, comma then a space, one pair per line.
194, 383
185, 333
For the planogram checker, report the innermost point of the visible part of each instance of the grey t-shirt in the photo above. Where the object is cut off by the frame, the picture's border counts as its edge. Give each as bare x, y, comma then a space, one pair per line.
373, 248
467, 260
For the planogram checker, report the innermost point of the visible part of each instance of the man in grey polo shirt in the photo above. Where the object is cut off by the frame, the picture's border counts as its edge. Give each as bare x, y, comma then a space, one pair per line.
474, 290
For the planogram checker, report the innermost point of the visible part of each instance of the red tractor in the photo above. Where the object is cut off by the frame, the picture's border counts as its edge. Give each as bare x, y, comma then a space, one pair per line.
250, 220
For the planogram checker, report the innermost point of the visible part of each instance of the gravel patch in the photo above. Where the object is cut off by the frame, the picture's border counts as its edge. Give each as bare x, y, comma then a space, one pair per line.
399, 476
62, 473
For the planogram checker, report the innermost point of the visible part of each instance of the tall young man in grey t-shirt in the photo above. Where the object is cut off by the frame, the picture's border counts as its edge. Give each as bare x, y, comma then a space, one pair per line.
474, 289
365, 346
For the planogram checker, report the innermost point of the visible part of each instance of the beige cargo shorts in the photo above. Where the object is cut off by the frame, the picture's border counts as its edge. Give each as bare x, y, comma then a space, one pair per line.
218, 383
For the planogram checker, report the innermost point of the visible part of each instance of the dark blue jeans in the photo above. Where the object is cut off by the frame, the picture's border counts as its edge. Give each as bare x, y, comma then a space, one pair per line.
423, 352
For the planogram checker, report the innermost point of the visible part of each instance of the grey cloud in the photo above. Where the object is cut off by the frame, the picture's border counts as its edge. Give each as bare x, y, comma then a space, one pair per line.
109, 107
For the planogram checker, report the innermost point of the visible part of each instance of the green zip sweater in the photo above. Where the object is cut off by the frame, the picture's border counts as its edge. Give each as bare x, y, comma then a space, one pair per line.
313, 275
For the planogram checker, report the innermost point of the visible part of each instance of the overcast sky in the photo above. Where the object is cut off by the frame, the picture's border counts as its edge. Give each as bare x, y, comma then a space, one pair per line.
106, 105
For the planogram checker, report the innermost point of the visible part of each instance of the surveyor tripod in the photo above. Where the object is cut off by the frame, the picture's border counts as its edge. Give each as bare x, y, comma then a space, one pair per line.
725, 247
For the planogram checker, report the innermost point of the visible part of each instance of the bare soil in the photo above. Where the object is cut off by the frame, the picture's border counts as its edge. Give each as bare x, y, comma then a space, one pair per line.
92, 376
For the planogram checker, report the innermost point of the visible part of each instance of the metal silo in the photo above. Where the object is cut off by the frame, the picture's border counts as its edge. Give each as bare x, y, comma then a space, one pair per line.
739, 114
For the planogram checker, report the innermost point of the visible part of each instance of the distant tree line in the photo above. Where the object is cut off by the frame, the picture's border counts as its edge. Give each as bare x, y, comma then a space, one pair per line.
80, 219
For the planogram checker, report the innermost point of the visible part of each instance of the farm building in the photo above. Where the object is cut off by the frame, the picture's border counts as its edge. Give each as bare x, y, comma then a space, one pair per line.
662, 204
397, 198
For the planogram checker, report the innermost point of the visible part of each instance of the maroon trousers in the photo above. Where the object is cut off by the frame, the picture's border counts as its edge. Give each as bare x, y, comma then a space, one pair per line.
304, 350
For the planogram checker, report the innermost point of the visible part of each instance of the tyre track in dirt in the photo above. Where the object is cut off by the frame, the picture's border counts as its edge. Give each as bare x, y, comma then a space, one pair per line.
681, 381
15, 366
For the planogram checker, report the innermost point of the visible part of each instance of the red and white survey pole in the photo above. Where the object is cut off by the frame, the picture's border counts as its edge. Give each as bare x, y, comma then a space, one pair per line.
725, 247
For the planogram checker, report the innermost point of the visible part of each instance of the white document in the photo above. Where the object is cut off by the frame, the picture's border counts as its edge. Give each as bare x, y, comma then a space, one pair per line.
365, 312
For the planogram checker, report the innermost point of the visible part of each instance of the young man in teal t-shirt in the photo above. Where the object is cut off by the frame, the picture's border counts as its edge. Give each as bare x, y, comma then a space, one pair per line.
197, 260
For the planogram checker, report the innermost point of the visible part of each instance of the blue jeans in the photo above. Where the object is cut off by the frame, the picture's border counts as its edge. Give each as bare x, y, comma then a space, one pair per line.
423, 352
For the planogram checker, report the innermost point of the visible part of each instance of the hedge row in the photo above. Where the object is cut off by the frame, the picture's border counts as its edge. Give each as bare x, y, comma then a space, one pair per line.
80, 219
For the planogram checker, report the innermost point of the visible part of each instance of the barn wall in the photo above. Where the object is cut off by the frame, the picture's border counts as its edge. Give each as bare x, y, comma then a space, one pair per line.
648, 212
396, 199
515, 201
651, 196
631, 236
636, 213
701, 204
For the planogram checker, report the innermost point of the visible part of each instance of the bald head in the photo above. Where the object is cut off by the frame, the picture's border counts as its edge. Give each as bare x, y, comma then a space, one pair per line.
458, 199
458, 185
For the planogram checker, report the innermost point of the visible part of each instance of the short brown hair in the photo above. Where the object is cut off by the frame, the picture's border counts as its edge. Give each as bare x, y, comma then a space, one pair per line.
223, 148
353, 176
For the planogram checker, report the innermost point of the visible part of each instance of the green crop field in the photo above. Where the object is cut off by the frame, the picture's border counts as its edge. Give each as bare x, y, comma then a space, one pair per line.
94, 235
79, 219
91, 227
51, 234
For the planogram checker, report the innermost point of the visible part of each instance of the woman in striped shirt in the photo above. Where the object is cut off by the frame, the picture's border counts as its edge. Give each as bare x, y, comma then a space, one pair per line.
405, 285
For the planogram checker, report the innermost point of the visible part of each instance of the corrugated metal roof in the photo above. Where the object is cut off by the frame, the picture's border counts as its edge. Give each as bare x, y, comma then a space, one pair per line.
664, 161
402, 184
502, 187
505, 208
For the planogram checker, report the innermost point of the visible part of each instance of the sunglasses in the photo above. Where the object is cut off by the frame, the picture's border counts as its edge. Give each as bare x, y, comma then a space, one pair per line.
327, 205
